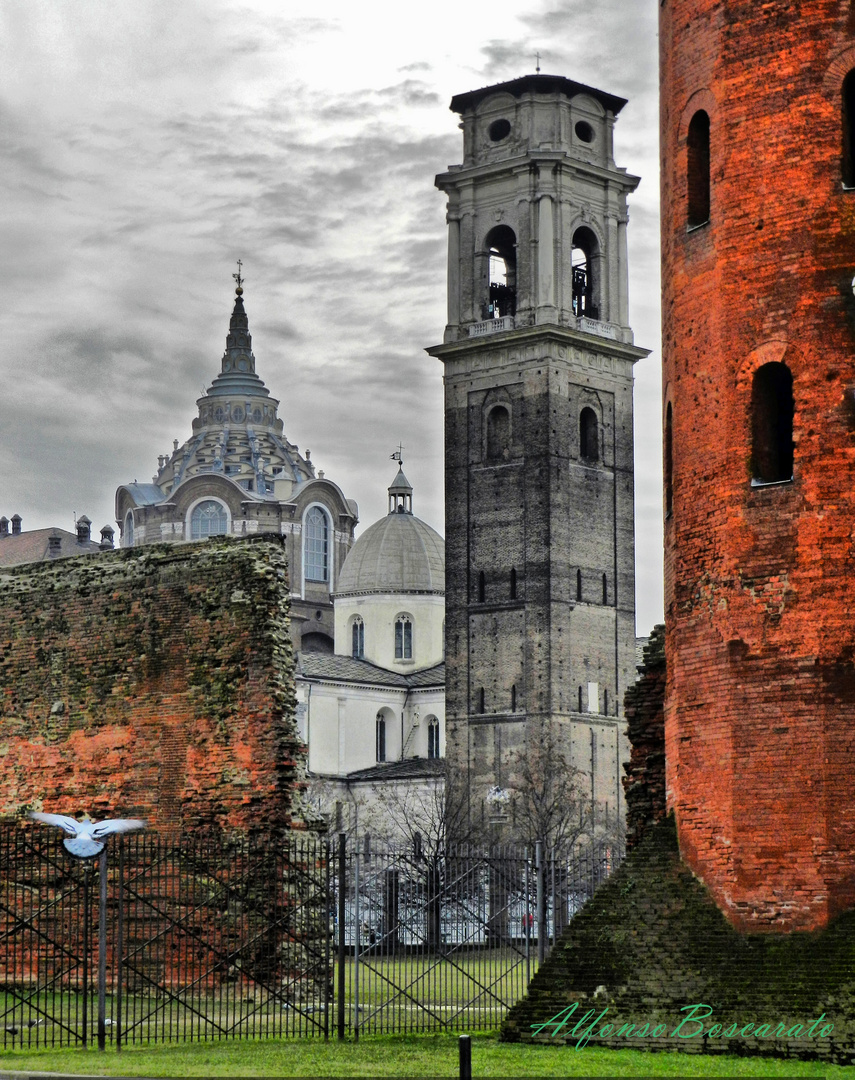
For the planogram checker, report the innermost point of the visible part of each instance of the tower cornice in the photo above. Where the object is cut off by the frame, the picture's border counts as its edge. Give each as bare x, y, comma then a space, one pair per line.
531, 335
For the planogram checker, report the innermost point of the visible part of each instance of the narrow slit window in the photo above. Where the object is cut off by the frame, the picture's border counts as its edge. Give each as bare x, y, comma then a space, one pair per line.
514, 698
698, 169
403, 638
482, 587
589, 438
578, 584
669, 461
481, 700
772, 410
380, 737
848, 123
358, 639
433, 737
513, 584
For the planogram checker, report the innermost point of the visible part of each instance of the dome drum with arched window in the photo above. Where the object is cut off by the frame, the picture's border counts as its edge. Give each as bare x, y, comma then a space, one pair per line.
238, 475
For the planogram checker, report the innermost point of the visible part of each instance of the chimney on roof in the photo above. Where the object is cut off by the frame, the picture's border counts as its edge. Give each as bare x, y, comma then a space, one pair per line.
16, 524
54, 546
107, 538
4, 526
84, 530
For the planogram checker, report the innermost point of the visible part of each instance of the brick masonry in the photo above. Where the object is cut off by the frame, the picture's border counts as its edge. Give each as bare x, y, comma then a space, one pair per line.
644, 783
653, 942
153, 683
760, 706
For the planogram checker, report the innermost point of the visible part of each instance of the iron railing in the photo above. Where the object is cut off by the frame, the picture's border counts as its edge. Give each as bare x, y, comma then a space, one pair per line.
313, 937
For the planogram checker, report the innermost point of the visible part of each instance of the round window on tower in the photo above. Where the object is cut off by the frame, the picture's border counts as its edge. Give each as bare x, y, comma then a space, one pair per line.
584, 131
499, 129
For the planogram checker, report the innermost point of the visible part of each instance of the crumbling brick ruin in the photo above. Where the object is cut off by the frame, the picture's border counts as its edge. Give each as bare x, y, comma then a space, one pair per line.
155, 683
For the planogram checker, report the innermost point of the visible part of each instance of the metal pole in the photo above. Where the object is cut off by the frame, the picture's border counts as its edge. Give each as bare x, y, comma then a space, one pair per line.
120, 948
526, 920
541, 914
342, 888
102, 950
327, 937
356, 949
87, 878
464, 1044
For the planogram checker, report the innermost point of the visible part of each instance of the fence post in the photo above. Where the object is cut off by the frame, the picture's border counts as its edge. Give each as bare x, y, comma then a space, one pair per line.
120, 945
102, 949
342, 887
541, 906
465, 1047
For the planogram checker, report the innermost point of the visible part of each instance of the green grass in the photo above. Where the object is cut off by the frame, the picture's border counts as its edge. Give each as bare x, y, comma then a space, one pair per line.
414, 1056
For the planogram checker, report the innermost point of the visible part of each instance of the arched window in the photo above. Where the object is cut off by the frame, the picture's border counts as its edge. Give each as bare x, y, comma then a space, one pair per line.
208, 518
433, 737
380, 737
848, 124
498, 433
316, 547
585, 285
772, 424
513, 584
669, 461
358, 638
698, 170
501, 244
589, 437
128, 535
403, 638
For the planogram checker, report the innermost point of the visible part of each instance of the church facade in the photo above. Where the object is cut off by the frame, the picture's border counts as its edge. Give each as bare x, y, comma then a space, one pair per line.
239, 475
373, 714
538, 358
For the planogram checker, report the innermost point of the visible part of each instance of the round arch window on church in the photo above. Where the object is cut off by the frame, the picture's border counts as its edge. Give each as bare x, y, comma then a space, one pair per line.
208, 518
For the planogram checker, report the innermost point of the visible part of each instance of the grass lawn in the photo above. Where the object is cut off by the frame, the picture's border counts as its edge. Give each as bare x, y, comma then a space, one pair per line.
403, 1056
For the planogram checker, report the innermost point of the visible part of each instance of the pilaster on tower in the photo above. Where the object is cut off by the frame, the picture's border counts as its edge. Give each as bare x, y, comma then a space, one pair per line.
538, 357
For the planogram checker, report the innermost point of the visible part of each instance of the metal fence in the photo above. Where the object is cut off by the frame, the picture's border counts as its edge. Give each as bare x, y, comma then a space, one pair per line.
314, 937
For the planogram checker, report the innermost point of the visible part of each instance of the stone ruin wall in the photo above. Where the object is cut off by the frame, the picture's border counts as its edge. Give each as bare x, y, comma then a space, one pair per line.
154, 683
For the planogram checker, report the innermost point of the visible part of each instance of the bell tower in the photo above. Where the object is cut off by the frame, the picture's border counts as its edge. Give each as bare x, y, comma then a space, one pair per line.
538, 367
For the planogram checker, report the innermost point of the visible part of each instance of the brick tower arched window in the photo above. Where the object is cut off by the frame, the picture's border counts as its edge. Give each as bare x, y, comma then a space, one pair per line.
772, 424
848, 125
698, 169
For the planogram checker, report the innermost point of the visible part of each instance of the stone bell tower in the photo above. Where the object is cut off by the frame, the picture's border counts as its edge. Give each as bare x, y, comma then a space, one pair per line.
538, 366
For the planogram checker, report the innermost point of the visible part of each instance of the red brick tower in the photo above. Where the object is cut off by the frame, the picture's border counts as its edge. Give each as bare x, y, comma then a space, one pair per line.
758, 236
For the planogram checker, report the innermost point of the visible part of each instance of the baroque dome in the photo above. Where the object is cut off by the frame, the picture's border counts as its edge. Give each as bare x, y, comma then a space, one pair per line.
397, 554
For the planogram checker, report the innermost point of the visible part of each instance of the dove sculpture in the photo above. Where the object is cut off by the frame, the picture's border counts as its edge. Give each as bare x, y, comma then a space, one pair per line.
86, 838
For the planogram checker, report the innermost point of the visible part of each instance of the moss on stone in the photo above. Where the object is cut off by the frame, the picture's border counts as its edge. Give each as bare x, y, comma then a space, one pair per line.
652, 941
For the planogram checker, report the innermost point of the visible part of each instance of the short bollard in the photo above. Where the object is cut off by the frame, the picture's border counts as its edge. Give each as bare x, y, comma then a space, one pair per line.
465, 1044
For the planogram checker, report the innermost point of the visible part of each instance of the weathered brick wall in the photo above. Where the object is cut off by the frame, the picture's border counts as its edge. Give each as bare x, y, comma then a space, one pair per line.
155, 683
760, 708
644, 705
652, 943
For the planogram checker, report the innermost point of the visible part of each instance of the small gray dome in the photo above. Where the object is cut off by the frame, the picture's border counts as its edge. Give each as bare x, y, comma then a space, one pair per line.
398, 554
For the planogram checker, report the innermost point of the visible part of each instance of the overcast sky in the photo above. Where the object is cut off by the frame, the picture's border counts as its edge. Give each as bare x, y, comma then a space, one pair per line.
147, 145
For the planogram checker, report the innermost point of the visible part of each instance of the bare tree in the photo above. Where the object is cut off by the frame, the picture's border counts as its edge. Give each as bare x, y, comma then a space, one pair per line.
547, 800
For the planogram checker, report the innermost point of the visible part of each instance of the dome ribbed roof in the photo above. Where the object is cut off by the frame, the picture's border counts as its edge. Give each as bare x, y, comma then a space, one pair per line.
398, 554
